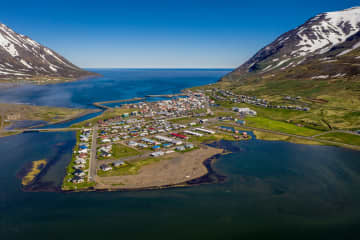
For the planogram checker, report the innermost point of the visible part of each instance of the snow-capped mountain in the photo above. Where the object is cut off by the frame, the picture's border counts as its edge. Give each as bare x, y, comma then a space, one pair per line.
22, 58
317, 37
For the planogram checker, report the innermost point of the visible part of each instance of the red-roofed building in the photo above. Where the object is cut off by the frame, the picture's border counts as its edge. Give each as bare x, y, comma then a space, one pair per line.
179, 135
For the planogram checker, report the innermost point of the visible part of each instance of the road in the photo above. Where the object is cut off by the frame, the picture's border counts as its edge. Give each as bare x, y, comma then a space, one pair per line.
92, 162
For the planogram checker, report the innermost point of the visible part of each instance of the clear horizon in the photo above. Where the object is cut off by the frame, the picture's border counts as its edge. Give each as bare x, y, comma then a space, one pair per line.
160, 34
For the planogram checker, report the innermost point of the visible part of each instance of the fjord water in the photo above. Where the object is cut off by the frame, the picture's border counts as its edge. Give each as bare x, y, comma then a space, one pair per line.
115, 84
273, 190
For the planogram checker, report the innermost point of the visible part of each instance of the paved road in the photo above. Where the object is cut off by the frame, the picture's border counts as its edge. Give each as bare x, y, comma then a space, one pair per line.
92, 163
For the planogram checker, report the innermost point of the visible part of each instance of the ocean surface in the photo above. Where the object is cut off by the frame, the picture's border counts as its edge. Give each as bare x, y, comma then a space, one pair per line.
115, 84
273, 190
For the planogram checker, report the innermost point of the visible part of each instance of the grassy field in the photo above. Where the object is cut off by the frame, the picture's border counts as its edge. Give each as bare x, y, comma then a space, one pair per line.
71, 186
342, 138
312, 119
36, 168
334, 103
212, 137
276, 137
183, 120
20, 112
30, 112
130, 168
5, 134
279, 126
120, 151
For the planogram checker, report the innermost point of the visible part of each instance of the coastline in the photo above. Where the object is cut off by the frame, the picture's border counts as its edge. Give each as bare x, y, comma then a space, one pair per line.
19, 131
206, 175
86, 112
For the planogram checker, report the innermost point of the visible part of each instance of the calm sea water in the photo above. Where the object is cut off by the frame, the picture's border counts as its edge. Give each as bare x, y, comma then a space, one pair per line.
116, 84
274, 190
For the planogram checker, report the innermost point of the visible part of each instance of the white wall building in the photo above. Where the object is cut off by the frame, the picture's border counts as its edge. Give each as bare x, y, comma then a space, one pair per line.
205, 130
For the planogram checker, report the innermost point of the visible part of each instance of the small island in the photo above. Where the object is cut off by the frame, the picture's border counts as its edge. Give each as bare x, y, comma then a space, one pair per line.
33, 172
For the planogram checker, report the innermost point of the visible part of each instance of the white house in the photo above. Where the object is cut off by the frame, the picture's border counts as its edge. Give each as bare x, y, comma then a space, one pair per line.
244, 111
83, 151
193, 133
205, 130
157, 154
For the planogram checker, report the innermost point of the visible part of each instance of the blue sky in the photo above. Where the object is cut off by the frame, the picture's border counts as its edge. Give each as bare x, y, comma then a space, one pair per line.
159, 34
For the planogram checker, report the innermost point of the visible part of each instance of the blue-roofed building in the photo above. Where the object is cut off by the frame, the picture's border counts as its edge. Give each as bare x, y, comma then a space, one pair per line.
241, 122
166, 145
156, 147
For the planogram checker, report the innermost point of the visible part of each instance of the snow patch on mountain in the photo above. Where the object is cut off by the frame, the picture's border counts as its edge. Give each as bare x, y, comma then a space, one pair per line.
333, 29
25, 63
22, 56
355, 46
320, 77
267, 68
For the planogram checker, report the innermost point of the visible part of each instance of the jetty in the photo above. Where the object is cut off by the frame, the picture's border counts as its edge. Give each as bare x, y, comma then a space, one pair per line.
167, 95
102, 106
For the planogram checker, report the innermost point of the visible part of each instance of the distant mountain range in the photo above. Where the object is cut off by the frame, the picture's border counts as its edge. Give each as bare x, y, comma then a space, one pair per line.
326, 46
23, 58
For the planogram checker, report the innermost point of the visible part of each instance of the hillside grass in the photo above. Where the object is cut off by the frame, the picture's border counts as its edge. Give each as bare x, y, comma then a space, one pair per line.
334, 103
265, 123
277, 137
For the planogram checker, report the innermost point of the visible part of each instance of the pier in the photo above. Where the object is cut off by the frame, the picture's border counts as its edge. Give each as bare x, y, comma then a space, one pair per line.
167, 95
101, 104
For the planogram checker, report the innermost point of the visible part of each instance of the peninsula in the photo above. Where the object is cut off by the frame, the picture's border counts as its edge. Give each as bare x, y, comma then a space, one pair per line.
156, 144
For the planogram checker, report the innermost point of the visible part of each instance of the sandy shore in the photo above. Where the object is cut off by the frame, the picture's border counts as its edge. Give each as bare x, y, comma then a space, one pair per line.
178, 169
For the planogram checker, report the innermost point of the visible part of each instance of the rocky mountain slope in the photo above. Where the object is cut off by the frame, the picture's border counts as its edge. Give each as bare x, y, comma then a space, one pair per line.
325, 46
23, 58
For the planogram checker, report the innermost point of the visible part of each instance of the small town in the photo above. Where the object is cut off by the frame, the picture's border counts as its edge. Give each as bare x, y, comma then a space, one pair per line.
180, 120
149, 130
220, 94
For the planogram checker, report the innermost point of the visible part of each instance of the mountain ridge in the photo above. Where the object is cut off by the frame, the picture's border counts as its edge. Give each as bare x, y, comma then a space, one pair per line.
316, 38
23, 58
